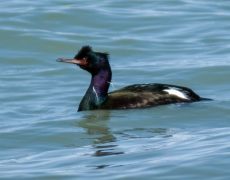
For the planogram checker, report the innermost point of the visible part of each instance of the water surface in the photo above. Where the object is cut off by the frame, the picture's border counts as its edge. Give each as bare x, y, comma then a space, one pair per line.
183, 42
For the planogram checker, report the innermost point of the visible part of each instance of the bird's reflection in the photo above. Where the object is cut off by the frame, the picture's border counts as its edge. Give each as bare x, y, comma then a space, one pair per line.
107, 142
96, 124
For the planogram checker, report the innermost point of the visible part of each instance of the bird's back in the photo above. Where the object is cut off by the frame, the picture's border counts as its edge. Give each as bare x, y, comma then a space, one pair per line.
147, 95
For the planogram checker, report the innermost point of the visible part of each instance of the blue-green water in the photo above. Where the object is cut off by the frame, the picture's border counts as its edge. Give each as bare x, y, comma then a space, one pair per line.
183, 42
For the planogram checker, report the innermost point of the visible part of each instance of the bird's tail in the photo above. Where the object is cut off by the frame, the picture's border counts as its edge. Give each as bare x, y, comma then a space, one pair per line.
205, 99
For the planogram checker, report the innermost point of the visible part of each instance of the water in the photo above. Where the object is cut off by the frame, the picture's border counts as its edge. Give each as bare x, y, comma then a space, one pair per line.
183, 42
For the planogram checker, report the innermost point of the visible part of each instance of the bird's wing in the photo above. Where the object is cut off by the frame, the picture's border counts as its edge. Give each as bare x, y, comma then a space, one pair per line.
146, 95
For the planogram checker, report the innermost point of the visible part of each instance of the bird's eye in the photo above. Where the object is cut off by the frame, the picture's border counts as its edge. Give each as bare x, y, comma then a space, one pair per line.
85, 60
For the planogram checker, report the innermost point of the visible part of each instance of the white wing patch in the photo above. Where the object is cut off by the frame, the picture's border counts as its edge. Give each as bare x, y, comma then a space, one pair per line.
177, 93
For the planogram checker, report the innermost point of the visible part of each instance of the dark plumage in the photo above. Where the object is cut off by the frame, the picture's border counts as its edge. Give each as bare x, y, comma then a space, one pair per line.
134, 96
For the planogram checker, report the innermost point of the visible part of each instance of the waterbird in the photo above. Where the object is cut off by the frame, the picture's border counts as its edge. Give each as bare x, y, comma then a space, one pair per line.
132, 96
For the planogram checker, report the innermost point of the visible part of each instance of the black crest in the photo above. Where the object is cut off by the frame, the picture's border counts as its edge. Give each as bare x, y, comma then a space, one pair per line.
84, 51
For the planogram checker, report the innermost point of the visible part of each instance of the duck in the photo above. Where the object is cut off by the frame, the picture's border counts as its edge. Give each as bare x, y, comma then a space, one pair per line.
129, 97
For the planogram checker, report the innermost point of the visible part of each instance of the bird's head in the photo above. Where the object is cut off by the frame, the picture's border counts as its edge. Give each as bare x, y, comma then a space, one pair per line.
89, 60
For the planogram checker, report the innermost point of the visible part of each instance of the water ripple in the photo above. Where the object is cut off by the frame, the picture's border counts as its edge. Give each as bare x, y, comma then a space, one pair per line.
184, 42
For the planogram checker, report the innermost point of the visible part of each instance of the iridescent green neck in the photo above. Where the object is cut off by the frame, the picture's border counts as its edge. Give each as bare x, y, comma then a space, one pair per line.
97, 91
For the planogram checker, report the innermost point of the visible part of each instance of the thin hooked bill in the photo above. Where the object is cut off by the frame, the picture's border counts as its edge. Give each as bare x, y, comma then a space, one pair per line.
72, 61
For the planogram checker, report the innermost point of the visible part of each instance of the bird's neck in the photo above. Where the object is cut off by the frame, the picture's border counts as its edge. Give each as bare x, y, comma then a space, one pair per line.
97, 91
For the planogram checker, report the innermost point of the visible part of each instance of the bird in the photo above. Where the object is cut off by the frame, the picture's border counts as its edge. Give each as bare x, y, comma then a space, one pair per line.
129, 97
